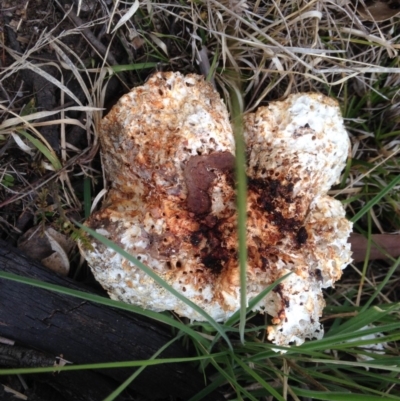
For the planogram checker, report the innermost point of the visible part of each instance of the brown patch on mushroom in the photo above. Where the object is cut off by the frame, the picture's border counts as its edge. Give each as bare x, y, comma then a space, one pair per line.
273, 200
199, 174
215, 254
302, 236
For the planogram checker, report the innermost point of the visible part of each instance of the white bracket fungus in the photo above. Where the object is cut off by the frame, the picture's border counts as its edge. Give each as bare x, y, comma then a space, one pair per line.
168, 152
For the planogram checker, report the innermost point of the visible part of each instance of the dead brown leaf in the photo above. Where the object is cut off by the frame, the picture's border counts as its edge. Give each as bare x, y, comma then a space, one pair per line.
49, 246
379, 10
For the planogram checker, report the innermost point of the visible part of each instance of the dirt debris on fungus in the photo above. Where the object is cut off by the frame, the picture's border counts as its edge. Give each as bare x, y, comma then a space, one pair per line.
168, 152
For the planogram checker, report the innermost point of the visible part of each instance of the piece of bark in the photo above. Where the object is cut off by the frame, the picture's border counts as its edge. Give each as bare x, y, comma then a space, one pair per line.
86, 332
389, 242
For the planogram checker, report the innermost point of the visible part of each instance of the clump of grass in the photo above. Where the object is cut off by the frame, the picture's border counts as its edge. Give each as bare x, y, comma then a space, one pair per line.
270, 50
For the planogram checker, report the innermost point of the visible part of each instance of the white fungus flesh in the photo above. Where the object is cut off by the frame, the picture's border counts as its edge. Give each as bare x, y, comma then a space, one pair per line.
168, 151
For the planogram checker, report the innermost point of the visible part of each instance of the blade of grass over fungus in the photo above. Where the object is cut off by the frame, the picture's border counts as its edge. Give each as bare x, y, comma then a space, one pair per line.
241, 195
219, 328
107, 302
254, 301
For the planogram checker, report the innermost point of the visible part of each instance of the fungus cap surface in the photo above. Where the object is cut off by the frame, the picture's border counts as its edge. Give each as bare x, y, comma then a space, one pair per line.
168, 152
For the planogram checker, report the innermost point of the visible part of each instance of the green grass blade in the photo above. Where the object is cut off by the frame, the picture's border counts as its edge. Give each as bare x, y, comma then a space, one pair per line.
258, 379
332, 396
47, 153
133, 67
254, 301
342, 364
233, 382
375, 200
209, 389
364, 318
108, 365
336, 342
382, 284
346, 380
213, 66
241, 200
135, 374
